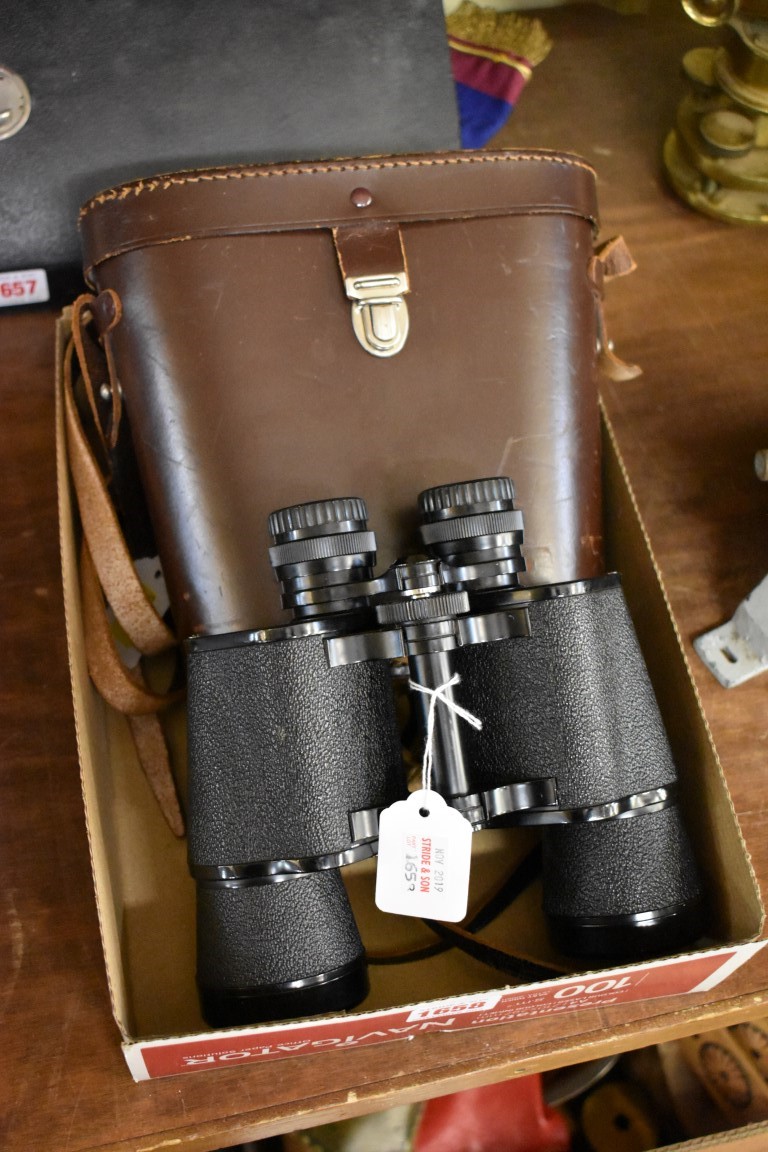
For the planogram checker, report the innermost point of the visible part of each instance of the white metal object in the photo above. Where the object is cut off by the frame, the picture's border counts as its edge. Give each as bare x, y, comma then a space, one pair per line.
738, 650
15, 103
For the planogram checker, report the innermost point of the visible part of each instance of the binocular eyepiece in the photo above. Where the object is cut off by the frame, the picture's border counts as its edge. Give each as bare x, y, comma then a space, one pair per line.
294, 748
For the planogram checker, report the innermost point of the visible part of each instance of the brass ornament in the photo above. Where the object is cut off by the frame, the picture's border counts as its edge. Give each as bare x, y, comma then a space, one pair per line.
716, 155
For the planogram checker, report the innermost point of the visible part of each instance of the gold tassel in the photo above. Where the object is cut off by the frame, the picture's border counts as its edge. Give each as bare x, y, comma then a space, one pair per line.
505, 31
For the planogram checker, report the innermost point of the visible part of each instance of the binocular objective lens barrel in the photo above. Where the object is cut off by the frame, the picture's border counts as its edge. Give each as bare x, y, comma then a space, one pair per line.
267, 951
622, 888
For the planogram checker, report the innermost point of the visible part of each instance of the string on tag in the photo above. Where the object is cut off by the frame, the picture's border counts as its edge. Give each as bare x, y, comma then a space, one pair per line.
435, 695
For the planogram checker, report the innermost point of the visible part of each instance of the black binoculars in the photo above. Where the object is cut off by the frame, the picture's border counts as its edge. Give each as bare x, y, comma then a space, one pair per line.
295, 749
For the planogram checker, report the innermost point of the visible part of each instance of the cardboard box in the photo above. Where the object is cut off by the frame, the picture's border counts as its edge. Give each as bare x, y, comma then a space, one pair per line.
146, 898
752, 1138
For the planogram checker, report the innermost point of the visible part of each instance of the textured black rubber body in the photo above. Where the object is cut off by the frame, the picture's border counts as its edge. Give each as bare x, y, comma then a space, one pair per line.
282, 748
571, 701
574, 701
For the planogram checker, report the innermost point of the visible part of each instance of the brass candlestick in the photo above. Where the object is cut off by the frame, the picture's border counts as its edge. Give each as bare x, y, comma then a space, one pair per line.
716, 156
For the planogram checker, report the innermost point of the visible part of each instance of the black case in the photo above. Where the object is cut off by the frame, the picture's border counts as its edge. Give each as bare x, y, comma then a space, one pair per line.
122, 89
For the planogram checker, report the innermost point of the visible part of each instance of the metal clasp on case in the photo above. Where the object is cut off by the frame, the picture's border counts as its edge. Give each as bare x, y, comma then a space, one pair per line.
379, 312
15, 103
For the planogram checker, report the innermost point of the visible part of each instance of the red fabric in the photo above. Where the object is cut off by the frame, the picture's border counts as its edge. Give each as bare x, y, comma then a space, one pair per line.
496, 78
508, 1117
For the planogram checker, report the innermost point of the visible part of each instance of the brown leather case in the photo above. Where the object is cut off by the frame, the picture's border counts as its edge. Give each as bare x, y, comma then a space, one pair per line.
240, 293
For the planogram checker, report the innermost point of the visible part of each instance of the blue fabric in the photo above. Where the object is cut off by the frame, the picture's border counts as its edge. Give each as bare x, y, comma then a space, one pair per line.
480, 116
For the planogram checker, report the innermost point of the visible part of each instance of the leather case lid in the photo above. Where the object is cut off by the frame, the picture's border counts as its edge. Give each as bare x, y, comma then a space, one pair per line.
244, 200
129, 88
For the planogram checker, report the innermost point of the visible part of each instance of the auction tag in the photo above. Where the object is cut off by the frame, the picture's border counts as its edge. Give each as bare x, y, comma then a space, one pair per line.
425, 848
29, 286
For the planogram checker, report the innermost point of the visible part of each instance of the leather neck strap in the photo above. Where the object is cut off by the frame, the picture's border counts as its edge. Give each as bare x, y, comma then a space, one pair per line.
107, 573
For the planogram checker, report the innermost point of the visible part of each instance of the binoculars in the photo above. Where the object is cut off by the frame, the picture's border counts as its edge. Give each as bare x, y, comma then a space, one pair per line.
295, 748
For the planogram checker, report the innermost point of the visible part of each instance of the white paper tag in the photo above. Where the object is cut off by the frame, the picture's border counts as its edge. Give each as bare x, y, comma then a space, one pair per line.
425, 849
28, 286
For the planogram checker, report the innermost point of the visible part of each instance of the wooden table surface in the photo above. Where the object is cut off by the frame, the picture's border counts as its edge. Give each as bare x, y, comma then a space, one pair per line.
694, 316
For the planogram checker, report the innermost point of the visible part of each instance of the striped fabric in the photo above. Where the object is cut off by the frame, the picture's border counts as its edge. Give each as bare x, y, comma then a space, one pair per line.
492, 57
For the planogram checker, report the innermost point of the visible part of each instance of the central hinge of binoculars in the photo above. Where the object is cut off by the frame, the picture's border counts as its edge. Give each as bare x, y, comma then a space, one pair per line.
373, 266
390, 643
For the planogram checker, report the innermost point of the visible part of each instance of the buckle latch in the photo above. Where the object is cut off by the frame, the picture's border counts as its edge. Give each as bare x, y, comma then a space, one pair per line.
379, 312
374, 272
